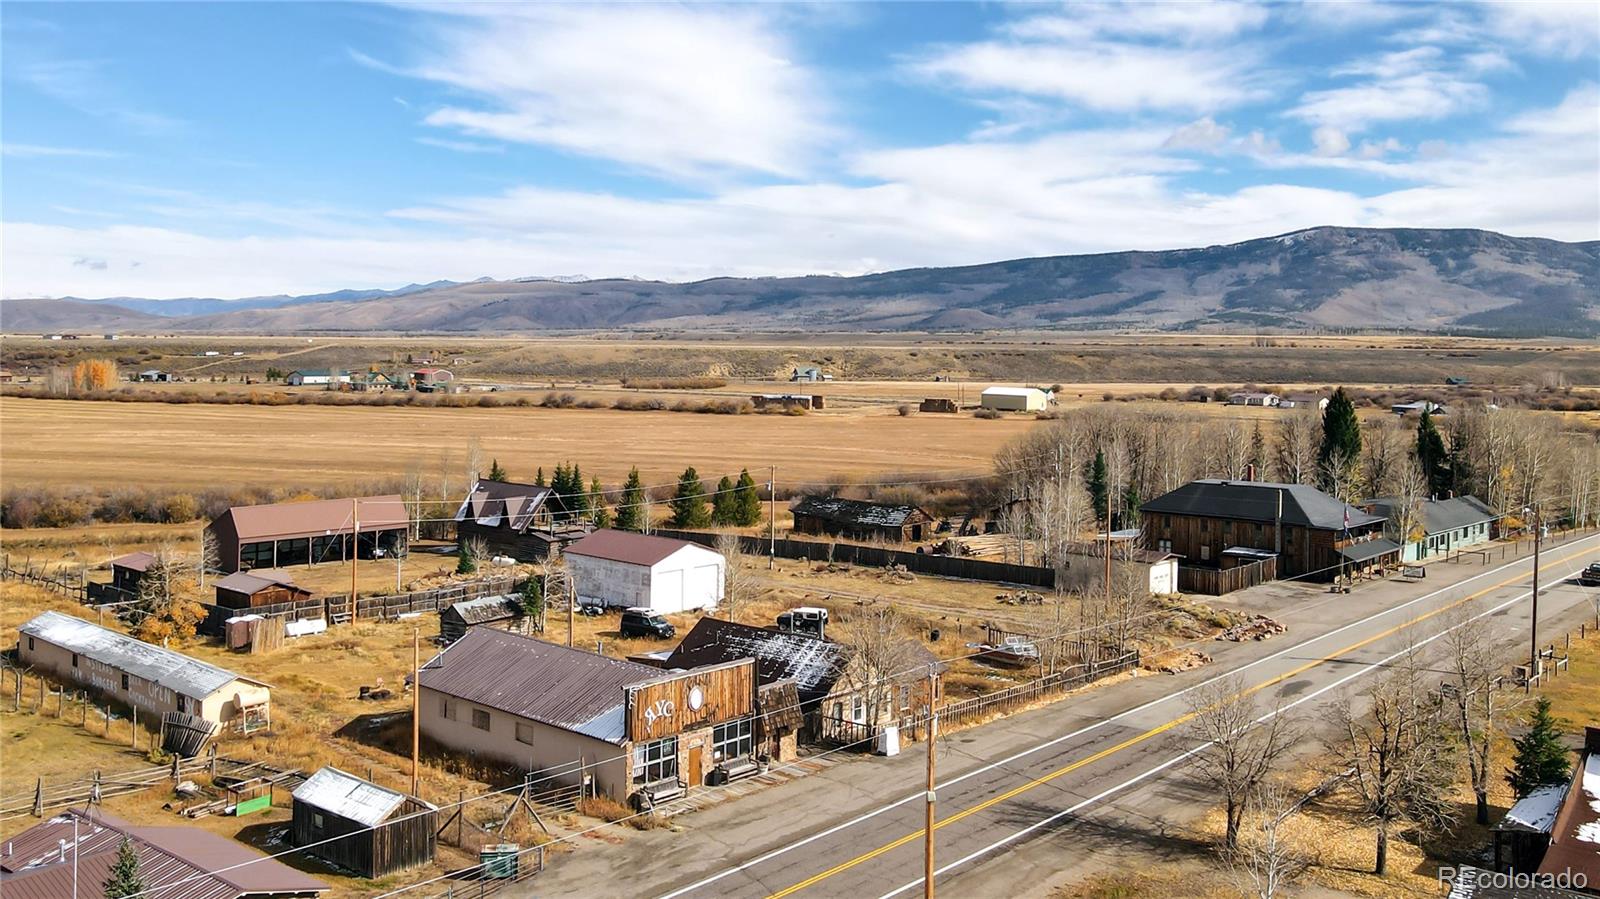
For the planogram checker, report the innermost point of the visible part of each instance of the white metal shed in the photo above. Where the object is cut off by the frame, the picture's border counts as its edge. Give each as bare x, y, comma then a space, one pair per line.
626, 570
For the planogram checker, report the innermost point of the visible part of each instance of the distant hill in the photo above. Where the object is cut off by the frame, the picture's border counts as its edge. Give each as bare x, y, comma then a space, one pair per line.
1352, 278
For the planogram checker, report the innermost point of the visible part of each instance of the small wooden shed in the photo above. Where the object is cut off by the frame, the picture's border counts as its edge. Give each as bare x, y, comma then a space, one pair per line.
386, 830
128, 570
249, 590
455, 618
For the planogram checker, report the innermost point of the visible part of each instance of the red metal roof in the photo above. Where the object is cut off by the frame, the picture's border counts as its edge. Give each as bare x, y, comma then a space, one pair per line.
139, 561
323, 516
175, 862
627, 547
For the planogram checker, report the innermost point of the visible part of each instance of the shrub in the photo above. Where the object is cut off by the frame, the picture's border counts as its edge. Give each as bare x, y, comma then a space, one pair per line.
673, 383
180, 507
904, 409
986, 413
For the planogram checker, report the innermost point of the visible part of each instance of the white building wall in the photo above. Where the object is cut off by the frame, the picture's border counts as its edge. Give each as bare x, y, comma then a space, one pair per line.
608, 583
689, 579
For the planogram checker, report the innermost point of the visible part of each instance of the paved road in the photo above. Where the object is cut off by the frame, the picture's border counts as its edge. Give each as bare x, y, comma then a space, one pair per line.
1020, 799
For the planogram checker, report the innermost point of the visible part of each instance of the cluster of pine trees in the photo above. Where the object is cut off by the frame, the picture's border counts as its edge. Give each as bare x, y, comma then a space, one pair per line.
734, 503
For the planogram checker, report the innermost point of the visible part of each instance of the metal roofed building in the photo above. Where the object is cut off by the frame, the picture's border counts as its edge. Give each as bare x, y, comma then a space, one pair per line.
248, 590
1447, 524
583, 717
382, 830
279, 534
1312, 533
455, 618
207, 865
856, 519
623, 569
139, 674
516, 520
1014, 399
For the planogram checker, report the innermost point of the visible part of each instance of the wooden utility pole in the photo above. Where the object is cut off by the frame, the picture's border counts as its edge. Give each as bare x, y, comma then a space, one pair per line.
355, 552
1533, 624
927, 841
572, 615
1108, 549
416, 701
772, 519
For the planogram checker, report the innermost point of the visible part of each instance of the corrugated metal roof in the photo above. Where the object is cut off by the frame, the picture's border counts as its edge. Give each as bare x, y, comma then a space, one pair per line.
1367, 550
348, 796
1442, 515
175, 862
254, 581
567, 688
1013, 391
503, 504
857, 511
1535, 812
487, 609
628, 547
323, 516
1303, 505
139, 561
813, 664
172, 670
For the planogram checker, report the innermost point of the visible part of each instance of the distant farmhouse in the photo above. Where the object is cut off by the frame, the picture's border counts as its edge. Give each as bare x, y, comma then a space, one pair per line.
429, 379
280, 534
1254, 399
316, 377
855, 519
139, 674
809, 373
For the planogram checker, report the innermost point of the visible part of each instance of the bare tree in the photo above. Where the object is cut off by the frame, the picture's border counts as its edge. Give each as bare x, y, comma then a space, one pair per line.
474, 460
413, 496
1267, 860
1295, 453
1405, 513
1473, 693
739, 584
1342, 476
1230, 451
1241, 748
1386, 452
166, 611
210, 555
881, 656
1399, 755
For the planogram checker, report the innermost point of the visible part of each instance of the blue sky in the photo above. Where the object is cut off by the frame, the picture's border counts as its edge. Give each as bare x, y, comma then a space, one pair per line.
241, 149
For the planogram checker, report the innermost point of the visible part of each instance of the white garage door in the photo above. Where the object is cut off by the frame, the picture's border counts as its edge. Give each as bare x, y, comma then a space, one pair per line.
666, 590
702, 586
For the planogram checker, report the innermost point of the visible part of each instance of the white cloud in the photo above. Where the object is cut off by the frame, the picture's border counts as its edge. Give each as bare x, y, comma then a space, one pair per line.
1190, 22
1569, 28
1330, 141
689, 92
1202, 134
85, 85
1419, 96
460, 146
35, 151
1378, 149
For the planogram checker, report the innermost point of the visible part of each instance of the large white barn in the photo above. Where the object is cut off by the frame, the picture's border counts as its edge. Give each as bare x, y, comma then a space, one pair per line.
628, 570
1014, 399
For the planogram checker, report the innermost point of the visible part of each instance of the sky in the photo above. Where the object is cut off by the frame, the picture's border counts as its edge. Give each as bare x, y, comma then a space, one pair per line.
244, 149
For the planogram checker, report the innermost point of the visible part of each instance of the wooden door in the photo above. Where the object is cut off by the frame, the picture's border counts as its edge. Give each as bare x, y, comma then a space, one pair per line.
691, 764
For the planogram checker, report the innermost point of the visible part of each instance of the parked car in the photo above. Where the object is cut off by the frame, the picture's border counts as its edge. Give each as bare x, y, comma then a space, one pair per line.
646, 623
1590, 576
591, 610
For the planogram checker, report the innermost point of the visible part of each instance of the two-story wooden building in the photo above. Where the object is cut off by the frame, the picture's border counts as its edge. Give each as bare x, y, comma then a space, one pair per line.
517, 520
1219, 523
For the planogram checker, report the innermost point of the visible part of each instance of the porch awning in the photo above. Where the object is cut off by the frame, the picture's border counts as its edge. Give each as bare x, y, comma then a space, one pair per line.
1369, 550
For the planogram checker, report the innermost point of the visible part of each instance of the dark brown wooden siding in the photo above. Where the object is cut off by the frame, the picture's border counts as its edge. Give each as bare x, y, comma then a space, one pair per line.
404, 841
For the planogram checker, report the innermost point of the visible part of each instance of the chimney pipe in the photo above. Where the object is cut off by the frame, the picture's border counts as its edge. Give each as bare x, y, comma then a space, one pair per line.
1250, 471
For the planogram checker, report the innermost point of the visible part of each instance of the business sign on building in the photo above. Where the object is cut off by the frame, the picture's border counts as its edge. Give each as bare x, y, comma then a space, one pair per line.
681, 702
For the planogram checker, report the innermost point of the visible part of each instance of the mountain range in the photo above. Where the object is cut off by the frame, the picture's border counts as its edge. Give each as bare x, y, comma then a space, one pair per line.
1424, 280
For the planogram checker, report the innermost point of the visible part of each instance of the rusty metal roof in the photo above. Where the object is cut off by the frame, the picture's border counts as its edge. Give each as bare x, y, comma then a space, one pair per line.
149, 662
139, 561
572, 689
318, 517
251, 582
628, 547
486, 609
175, 862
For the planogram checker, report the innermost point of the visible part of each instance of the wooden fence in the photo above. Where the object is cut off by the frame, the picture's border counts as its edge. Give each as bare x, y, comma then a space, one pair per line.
43, 799
1218, 581
880, 557
69, 582
336, 609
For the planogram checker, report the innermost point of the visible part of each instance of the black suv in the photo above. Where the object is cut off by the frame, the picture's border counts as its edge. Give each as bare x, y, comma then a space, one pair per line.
1590, 576
645, 623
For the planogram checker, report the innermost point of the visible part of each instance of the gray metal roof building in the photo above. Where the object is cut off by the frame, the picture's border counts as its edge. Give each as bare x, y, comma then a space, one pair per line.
174, 670
814, 664
1303, 505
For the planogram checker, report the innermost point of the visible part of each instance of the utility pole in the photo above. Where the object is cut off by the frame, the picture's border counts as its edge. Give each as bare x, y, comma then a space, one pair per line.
772, 519
927, 841
1108, 549
1533, 624
416, 702
355, 551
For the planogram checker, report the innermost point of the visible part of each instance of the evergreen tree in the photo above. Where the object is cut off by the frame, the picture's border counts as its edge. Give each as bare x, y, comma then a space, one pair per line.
532, 598
1540, 758
1098, 488
581, 503
724, 504
538, 480
1341, 436
598, 513
748, 501
1431, 456
496, 473
1130, 506
123, 879
1258, 453
630, 511
466, 562
689, 503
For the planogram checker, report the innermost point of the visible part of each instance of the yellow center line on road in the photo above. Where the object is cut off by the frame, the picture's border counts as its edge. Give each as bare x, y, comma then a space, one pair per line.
1152, 732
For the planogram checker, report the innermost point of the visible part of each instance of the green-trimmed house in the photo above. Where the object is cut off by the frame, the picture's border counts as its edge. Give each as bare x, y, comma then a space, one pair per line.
1447, 525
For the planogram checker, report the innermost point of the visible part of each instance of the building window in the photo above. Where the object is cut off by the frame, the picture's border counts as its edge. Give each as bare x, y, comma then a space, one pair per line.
657, 760
316, 820
733, 740
256, 555
1205, 525
524, 733
447, 708
183, 704
1260, 534
480, 719
1166, 521
1164, 545
30, 644
905, 696
124, 682
74, 660
1205, 552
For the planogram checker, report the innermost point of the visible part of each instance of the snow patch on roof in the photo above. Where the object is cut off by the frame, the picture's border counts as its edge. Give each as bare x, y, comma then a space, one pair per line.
1537, 810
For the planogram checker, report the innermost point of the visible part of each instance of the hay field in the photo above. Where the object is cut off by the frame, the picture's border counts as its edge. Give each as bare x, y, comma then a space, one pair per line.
106, 445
